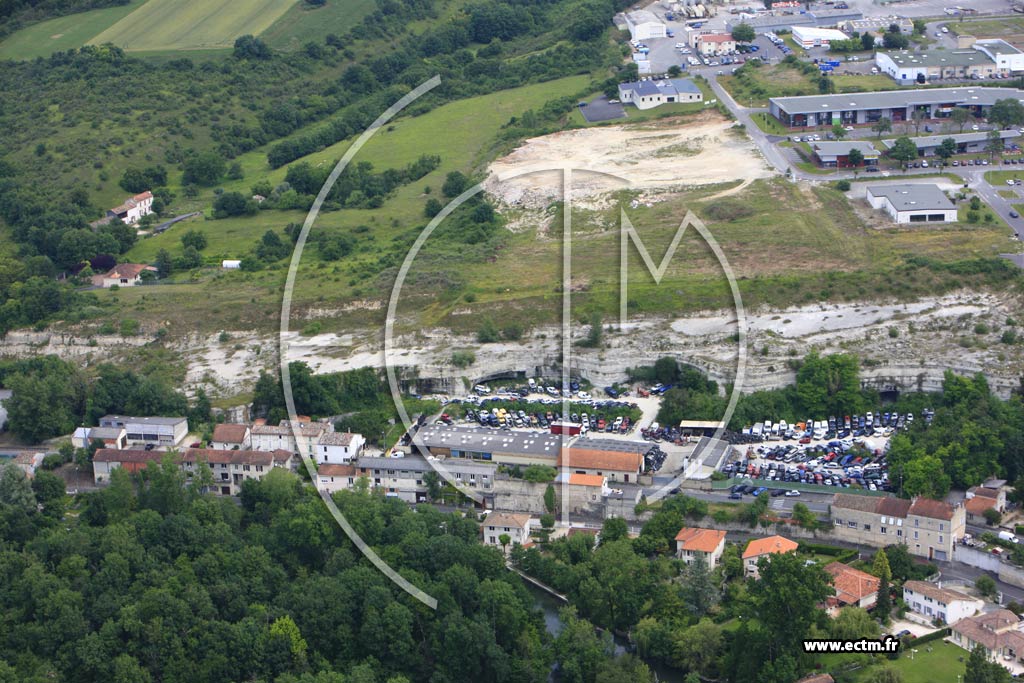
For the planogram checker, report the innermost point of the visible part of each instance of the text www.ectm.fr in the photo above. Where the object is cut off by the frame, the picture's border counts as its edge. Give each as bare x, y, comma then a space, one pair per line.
885, 645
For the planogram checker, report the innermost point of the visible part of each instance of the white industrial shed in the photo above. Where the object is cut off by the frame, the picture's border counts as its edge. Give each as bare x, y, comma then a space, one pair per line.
913, 203
643, 24
811, 36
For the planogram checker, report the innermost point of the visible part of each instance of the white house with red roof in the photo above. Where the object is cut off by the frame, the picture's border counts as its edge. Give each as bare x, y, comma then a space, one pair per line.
133, 209
125, 274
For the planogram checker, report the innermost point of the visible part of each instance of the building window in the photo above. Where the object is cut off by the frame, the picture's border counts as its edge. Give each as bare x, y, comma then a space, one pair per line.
837, 522
852, 524
867, 527
882, 529
915, 536
942, 527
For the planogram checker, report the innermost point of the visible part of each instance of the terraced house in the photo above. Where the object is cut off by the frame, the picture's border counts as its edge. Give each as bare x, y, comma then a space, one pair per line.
929, 528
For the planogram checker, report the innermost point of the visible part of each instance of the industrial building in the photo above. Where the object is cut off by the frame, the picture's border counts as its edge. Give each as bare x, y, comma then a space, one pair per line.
1007, 58
929, 65
648, 94
837, 154
644, 25
966, 143
762, 23
812, 36
492, 445
913, 203
897, 105
155, 431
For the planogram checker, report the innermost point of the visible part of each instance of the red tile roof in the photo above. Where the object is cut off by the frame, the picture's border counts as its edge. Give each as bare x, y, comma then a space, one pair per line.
703, 540
115, 455
979, 504
771, 544
586, 480
128, 270
716, 38
331, 470
230, 433
852, 585
934, 509
893, 507
218, 456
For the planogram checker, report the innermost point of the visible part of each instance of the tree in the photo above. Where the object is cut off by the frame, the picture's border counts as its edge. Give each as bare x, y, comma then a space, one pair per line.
743, 33
883, 605
1007, 112
803, 516
961, 117
882, 125
697, 588
614, 529
904, 151
250, 47
880, 566
164, 263
828, 385
697, 647
885, 674
867, 41
895, 40
854, 157
578, 649
15, 489
994, 143
981, 670
43, 404
455, 183
504, 540
205, 169
194, 239
918, 117
432, 207
853, 623
926, 476
549, 498
838, 131
946, 149
992, 516
432, 480
985, 585
234, 204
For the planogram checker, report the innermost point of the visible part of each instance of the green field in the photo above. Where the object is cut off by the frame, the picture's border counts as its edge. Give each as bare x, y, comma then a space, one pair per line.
935, 662
62, 33
189, 25
756, 85
301, 23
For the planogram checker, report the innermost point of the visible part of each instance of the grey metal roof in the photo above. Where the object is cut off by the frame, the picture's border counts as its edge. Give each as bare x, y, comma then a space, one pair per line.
938, 57
684, 85
645, 88
142, 420
926, 141
840, 148
886, 99
415, 463
997, 46
485, 440
600, 444
913, 197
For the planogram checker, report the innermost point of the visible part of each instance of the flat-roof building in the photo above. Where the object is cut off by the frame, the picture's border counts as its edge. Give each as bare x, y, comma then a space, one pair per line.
913, 203
158, 431
493, 445
643, 24
837, 154
1008, 58
965, 142
938, 64
812, 36
896, 105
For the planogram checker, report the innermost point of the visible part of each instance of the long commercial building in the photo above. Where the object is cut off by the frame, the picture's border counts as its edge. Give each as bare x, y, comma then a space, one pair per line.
896, 105
499, 446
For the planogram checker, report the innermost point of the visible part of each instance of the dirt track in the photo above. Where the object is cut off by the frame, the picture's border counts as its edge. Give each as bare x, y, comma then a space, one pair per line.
655, 156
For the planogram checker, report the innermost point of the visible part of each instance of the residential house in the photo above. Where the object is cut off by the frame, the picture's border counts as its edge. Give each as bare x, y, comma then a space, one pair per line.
998, 632
339, 447
331, 477
583, 493
714, 44
125, 275
106, 460
157, 431
227, 437
112, 437
515, 525
817, 678
707, 544
133, 209
231, 468
852, 587
619, 461
404, 477
990, 495
929, 528
290, 436
936, 603
29, 463
764, 547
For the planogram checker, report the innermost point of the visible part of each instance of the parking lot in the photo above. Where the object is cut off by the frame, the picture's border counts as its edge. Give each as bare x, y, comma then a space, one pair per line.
601, 109
842, 453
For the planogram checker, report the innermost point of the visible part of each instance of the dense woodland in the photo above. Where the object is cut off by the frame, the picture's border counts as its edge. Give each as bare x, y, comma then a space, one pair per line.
155, 582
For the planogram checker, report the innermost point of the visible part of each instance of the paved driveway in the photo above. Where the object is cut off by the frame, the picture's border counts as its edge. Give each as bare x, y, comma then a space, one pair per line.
603, 110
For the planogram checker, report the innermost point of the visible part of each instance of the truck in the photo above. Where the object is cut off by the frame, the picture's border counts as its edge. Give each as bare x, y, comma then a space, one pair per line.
567, 428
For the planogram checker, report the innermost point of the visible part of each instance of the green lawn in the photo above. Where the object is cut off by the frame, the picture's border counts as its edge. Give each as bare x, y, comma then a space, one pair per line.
192, 24
935, 662
302, 23
997, 178
634, 115
62, 33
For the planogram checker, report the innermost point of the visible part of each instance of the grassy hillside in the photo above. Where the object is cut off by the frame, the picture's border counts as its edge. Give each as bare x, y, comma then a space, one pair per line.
63, 33
301, 23
189, 25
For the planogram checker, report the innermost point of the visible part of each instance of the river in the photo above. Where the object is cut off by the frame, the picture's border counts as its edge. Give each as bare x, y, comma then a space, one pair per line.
550, 606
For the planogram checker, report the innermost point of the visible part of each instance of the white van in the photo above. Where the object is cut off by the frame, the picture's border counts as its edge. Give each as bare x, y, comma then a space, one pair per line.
1007, 536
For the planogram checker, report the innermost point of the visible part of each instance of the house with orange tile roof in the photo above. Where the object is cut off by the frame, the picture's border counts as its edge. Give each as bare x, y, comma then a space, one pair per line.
590, 457
706, 544
125, 274
764, 547
228, 437
999, 632
851, 587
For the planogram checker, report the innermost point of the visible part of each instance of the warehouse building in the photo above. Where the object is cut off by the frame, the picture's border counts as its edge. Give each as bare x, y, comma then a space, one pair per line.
643, 25
762, 23
897, 105
932, 65
837, 154
877, 25
155, 431
966, 143
491, 445
1008, 59
812, 36
913, 203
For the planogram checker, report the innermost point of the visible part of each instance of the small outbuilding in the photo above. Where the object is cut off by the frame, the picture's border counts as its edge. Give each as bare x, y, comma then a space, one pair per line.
913, 203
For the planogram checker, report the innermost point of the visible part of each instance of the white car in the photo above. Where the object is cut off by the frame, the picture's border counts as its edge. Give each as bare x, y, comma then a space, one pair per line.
792, 493
584, 396
975, 127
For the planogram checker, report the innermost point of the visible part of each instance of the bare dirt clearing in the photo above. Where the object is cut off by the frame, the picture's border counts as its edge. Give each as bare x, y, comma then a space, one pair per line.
663, 155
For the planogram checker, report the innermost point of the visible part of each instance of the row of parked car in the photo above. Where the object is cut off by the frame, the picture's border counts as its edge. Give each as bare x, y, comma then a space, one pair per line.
736, 492
868, 424
528, 416
841, 463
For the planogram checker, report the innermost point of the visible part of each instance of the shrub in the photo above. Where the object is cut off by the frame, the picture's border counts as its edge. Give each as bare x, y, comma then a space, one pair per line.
463, 358
981, 328
843, 185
